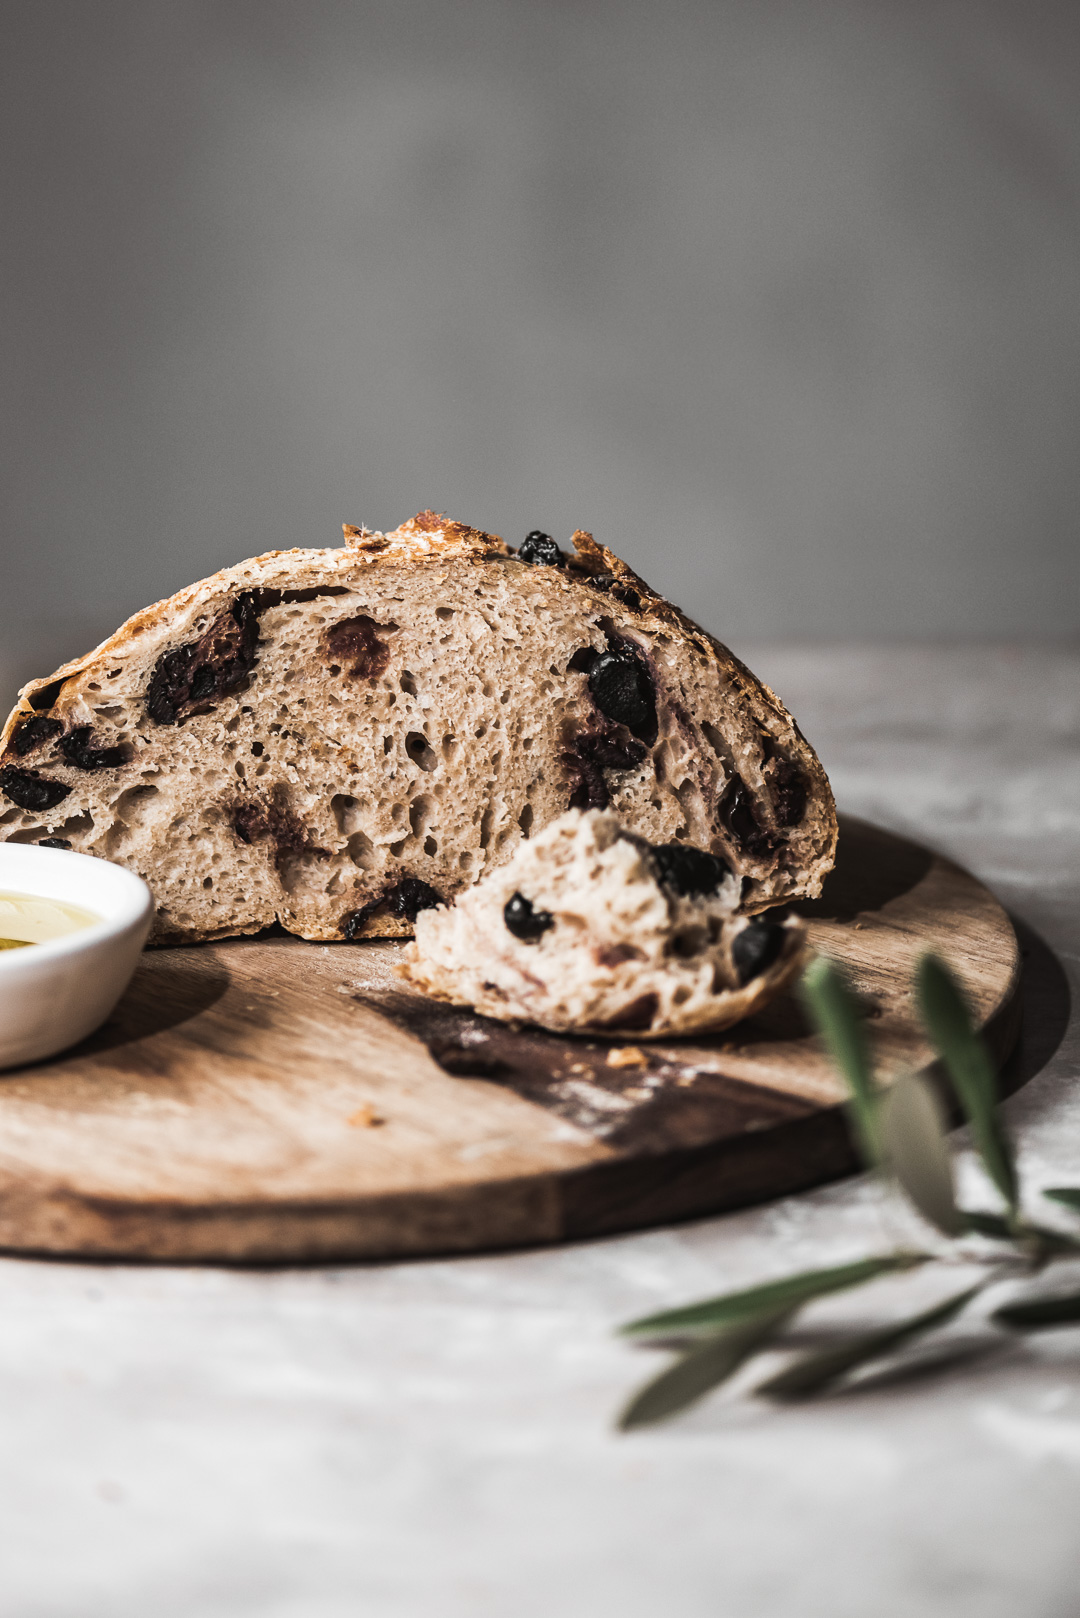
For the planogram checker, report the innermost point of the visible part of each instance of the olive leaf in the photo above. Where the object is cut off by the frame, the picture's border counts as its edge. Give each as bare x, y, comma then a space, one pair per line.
1062, 1310
988, 1224
730, 1308
816, 1371
968, 1064
702, 1368
835, 1013
1067, 1195
1046, 1241
912, 1131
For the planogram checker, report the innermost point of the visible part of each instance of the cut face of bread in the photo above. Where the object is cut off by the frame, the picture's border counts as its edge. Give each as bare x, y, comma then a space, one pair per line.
338, 739
589, 929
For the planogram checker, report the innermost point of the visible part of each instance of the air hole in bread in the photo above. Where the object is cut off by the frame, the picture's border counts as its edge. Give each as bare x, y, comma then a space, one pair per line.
346, 812
361, 851
420, 751
716, 742
420, 811
75, 825
131, 806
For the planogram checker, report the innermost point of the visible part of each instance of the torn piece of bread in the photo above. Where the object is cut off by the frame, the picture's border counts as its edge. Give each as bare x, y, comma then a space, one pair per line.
336, 739
590, 929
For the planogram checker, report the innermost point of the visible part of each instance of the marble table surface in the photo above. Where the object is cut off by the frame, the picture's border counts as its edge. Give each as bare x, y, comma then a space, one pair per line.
434, 1438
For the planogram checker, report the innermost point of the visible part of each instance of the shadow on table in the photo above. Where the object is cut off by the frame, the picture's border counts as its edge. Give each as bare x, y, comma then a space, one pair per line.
1046, 1005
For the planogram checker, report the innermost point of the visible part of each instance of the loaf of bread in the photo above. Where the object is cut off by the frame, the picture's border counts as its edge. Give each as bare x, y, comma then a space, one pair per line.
590, 929
337, 739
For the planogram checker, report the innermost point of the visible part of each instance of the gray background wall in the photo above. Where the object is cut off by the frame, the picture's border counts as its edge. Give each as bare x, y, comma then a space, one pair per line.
781, 299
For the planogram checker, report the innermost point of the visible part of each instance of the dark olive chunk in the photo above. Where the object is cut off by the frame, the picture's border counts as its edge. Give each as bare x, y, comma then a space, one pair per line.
737, 817
32, 734
540, 550
524, 921
272, 818
405, 901
170, 685
756, 948
356, 645
214, 666
32, 791
622, 689
621, 685
352, 922
55, 842
410, 897
689, 872
77, 750
249, 823
203, 682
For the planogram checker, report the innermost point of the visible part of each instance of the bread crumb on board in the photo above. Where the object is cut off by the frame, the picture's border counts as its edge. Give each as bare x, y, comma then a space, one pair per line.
627, 1056
365, 1117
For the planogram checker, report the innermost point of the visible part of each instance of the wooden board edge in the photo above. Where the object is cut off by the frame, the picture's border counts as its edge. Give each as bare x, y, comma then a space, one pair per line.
599, 1199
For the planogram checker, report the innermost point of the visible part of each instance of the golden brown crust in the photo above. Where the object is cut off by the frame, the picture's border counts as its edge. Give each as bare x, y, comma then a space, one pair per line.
423, 538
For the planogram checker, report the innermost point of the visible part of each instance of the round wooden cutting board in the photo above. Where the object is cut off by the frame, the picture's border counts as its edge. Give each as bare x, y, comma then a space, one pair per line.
272, 1101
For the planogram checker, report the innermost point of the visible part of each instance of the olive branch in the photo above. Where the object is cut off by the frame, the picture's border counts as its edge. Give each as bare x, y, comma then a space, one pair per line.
900, 1131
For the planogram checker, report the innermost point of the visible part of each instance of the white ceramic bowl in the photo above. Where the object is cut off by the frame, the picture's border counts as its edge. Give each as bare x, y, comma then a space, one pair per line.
53, 994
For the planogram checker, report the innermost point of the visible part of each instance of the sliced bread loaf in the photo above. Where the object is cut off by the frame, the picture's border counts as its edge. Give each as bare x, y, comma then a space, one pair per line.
337, 739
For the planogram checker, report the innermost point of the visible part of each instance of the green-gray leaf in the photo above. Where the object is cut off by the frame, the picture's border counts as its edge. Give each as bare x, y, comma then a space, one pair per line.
1049, 1241
698, 1371
1067, 1195
714, 1314
913, 1139
835, 1013
949, 1024
817, 1371
1063, 1310
987, 1224
1025, 1235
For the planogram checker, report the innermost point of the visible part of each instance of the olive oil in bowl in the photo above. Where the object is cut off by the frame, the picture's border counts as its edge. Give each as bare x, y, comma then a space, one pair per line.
25, 918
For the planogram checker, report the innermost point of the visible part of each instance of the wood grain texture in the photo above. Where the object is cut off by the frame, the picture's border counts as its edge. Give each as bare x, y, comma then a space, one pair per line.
271, 1101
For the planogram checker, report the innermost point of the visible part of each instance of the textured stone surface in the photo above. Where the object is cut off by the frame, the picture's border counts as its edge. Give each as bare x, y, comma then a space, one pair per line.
434, 1438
